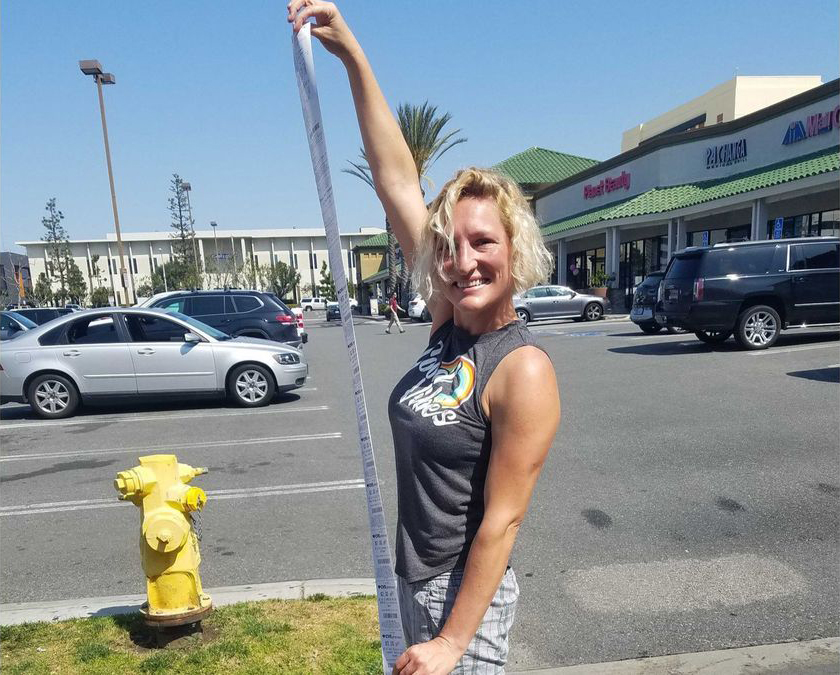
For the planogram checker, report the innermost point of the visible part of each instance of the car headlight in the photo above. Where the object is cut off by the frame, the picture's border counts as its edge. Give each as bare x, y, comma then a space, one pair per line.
287, 359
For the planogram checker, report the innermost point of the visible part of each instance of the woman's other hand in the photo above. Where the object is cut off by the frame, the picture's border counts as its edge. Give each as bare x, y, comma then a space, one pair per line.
435, 657
330, 27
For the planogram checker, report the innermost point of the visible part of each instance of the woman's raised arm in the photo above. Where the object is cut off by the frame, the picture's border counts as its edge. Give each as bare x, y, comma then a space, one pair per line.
394, 173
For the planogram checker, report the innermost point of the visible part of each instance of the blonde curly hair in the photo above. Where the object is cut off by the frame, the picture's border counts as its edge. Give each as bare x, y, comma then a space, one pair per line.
530, 260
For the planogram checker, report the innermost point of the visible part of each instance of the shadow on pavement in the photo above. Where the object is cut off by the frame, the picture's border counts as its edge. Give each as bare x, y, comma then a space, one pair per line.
20, 412
831, 374
691, 345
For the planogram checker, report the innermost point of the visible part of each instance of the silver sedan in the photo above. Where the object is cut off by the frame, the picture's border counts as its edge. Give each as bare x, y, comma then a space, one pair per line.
558, 302
114, 353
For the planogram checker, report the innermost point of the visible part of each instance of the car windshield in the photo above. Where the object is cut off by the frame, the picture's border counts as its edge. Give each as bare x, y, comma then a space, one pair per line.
22, 320
203, 327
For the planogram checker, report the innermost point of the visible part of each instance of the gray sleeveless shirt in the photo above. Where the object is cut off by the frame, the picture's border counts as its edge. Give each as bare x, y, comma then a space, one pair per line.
442, 446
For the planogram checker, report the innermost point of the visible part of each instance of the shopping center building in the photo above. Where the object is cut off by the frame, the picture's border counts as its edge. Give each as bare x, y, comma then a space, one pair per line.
303, 249
772, 173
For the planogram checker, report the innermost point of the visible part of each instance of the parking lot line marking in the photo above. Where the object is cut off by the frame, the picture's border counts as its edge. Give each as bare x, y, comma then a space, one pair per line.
787, 350
171, 446
140, 417
236, 493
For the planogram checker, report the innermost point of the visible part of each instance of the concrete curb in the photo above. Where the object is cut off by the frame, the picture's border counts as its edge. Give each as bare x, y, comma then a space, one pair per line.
817, 657
81, 608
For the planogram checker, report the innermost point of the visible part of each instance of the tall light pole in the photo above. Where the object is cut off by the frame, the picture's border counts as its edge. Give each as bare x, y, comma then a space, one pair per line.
163, 267
186, 187
93, 67
214, 225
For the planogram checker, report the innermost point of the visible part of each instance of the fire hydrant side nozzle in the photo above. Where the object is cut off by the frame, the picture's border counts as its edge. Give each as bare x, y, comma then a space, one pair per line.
168, 541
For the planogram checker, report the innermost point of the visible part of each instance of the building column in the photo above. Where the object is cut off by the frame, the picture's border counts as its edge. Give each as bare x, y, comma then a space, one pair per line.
613, 252
131, 272
114, 291
201, 257
90, 268
271, 245
758, 220
312, 271
679, 245
562, 269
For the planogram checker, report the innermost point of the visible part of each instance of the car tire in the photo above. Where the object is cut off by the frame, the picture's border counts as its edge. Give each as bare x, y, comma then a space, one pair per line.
251, 385
675, 330
425, 316
523, 315
650, 327
758, 327
307, 309
593, 311
52, 396
713, 337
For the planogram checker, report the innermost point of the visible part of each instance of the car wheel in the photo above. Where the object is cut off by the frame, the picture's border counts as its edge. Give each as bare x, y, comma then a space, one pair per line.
251, 385
523, 315
52, 396
650, 327
758, 327
675, 330
593, 311
307, 309
425, 316
713, 337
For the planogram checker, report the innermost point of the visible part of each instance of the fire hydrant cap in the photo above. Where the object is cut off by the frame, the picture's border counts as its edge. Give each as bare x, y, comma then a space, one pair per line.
166, 532
194, 499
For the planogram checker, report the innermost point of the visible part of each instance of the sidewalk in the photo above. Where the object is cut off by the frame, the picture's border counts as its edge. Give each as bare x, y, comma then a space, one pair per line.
815, 657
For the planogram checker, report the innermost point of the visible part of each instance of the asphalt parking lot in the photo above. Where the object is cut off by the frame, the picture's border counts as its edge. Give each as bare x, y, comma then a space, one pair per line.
689, 501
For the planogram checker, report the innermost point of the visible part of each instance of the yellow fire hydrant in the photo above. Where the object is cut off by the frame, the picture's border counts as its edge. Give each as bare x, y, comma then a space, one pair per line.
168, 541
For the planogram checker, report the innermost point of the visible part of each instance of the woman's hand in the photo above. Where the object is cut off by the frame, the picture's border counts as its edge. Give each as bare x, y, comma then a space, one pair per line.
330, 27
435, 657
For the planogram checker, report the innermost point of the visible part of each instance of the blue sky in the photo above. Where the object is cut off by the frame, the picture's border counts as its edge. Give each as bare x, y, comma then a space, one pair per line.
206, 89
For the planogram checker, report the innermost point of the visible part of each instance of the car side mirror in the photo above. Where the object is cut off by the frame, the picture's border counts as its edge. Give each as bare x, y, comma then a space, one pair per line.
192, 337
573, 294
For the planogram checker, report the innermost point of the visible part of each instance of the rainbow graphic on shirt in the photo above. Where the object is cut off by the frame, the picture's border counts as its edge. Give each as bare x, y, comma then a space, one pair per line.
461, 374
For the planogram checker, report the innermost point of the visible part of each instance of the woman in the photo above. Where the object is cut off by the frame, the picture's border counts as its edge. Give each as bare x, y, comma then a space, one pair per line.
474, 418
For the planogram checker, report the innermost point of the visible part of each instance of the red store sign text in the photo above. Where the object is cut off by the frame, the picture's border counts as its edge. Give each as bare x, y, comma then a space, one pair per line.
607, 185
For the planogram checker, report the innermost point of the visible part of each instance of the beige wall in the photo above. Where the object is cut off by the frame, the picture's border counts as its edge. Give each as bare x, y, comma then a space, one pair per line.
371, 262
733, 99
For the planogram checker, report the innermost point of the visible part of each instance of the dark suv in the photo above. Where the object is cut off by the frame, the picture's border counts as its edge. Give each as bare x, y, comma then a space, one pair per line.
752, 289
238, 313
41, 315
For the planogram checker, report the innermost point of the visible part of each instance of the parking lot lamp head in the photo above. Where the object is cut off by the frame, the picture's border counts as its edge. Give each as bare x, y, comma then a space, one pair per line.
94, 68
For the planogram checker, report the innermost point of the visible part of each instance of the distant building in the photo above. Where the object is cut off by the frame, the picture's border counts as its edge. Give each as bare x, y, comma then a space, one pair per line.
729, 101
303, 249
14, 270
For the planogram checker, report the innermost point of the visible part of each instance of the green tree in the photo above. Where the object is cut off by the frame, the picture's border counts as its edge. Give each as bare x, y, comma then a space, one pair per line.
42, 292
423, 130
76, 286
99, 297
326, 288
184, 246
280, 278
57, 248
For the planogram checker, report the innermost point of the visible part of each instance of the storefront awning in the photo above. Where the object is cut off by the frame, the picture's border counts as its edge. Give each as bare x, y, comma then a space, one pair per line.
663, 200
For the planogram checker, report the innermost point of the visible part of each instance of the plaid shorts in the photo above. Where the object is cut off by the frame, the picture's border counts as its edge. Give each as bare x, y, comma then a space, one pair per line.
425, 606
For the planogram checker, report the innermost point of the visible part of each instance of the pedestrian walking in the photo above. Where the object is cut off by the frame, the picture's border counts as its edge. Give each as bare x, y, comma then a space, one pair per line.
473, 419
394, 318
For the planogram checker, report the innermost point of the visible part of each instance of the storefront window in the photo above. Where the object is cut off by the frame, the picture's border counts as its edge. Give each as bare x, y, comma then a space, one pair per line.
583, 266
719, 236
825, 224
638, 259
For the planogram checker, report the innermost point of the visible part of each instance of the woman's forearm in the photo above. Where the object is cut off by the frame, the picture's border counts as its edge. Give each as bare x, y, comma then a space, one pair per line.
486, 564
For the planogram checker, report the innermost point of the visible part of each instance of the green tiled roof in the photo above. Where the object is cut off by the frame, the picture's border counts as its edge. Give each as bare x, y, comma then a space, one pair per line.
538, 165
661, 200
376, 241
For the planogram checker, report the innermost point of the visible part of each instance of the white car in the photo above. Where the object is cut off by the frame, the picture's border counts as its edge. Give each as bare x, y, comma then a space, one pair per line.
417, 309
308, 304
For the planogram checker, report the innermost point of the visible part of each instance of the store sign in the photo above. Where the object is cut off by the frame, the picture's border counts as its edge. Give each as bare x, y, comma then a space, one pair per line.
813, 125
607, 185
726, 154
778, 228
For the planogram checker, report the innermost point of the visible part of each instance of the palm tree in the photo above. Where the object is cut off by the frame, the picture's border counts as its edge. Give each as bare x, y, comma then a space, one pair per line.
422, 129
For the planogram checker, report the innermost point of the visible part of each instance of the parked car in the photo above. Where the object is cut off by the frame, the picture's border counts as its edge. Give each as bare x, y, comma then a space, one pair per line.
417, 309
753, 289
41, 315
13, 324
645, 299
239, 313
308, 304
115, 353
557, 302
333, 311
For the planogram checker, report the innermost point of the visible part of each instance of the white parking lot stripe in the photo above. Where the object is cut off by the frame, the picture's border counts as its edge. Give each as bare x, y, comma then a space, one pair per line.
171, 447
792, 349
140, 417
236, 493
